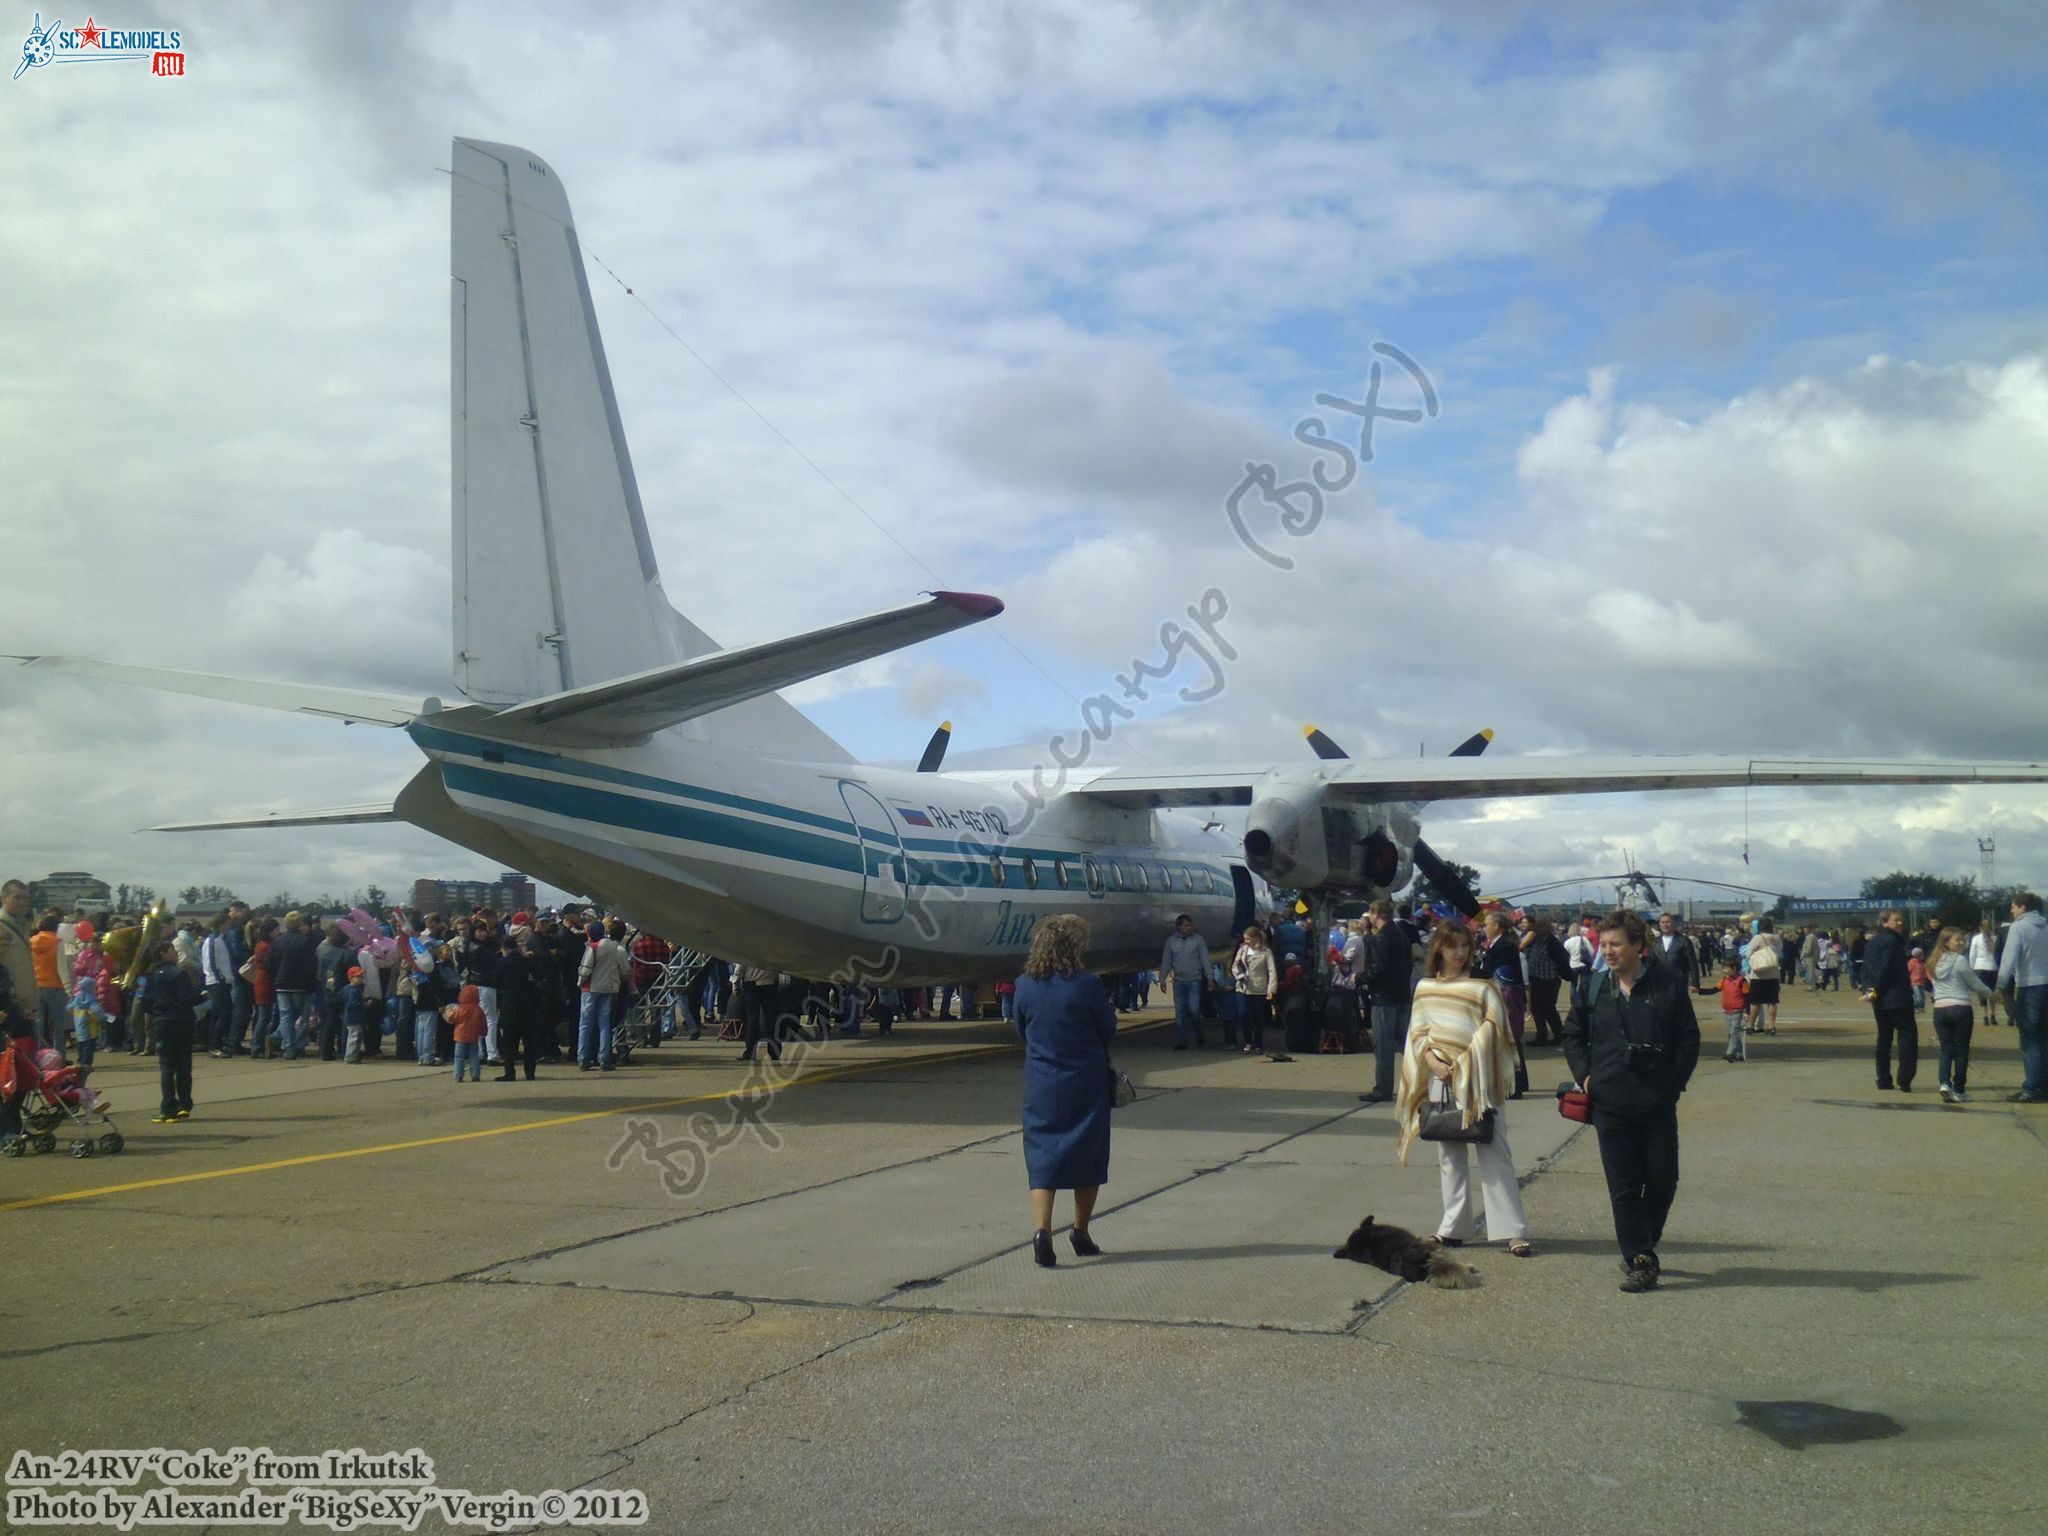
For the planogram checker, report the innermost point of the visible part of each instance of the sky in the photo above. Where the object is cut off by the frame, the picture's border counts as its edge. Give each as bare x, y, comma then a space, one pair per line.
1730, 321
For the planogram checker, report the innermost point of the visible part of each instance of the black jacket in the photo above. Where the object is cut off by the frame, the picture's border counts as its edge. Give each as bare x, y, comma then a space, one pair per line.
1684, 958
291, 961
1389, 962
1884, 970
1657, 1013
173, 994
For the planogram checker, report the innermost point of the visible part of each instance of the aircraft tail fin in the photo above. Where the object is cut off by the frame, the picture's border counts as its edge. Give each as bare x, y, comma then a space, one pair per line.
556, 587
555, 580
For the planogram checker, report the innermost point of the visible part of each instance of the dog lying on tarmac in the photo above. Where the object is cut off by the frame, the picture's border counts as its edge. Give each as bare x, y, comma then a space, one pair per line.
1400, 1252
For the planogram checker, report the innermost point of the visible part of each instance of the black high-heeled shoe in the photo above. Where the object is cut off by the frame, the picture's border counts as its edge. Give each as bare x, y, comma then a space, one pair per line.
1041, 1250
1084, 1245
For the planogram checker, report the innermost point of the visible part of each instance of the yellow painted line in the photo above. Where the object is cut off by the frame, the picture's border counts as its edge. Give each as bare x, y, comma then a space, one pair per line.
937, 1058
497, 1130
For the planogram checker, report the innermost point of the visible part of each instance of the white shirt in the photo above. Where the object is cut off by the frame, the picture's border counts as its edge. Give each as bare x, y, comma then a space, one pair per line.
216, 963
1983, 955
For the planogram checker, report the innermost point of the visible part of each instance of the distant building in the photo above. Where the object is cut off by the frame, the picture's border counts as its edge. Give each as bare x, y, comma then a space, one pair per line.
510, 892
70, 890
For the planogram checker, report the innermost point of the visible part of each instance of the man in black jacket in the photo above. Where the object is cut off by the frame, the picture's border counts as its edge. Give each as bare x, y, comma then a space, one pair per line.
1632, 1044
1675, 951
1890, 995
293, 969
1389, 963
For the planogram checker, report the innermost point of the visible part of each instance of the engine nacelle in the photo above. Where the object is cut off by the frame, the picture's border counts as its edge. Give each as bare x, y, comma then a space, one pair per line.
1295, 839
1283, 835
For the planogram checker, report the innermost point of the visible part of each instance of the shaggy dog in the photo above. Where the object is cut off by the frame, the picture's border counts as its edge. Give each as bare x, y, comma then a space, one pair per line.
1400, 1252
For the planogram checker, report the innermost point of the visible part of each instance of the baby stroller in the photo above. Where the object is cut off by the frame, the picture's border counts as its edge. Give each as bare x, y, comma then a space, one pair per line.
53, 1095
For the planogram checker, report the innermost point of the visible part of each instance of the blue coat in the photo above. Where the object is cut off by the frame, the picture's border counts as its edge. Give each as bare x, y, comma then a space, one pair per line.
1067, 1024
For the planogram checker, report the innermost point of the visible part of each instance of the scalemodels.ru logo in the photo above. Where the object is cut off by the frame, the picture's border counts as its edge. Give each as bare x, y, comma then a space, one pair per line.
93, 43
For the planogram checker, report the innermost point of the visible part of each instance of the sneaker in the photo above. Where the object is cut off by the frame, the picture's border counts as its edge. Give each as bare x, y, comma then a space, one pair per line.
1641, 1276
183, 1114
1960, 1097
163, 1119
2024, 1097
1948, 1094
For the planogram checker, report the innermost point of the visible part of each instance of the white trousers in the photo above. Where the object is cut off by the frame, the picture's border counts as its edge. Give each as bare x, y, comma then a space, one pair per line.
1505, 1221
487, 999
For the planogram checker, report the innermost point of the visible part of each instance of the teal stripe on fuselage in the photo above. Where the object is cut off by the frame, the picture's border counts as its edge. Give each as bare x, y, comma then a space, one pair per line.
632, 812
608, 808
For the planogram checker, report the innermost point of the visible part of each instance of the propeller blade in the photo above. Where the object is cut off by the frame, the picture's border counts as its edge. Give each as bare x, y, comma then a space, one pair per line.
935, 749
1322, 746
1650, 895
1472, 745
1445, 879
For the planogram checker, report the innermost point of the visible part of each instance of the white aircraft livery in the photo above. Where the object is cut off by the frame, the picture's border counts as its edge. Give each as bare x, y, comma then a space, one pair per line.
608, 746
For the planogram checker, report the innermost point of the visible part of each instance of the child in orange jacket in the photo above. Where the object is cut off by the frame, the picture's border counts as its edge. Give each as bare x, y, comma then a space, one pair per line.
468, 1018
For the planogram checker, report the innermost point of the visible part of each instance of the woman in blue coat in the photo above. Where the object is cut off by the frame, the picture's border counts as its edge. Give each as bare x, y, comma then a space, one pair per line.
1067, 1023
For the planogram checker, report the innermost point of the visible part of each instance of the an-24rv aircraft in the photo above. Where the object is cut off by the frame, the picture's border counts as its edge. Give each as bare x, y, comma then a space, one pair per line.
608, 746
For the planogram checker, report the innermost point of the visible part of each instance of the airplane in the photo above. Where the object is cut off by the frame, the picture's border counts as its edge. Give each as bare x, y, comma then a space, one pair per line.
606, 745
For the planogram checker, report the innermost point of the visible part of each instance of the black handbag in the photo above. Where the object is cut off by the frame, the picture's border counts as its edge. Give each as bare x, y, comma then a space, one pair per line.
1439, 1119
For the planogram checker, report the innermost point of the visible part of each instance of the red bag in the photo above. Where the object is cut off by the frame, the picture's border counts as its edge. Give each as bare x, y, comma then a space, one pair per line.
1573, 1104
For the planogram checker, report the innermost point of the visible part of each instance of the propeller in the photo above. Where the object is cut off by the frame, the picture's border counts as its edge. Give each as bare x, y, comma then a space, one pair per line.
1432, 864
935, 749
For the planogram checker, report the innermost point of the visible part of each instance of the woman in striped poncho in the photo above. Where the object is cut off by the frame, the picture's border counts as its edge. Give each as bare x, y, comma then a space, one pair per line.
1458, 1036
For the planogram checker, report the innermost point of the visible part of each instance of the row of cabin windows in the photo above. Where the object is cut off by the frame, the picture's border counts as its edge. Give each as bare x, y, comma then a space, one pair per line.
1101, 875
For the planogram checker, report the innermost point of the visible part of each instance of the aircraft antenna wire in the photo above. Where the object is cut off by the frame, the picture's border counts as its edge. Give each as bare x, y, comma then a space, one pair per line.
820, 471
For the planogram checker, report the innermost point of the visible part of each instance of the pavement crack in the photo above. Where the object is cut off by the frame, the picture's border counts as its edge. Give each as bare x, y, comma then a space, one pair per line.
43, 1351
625, 1452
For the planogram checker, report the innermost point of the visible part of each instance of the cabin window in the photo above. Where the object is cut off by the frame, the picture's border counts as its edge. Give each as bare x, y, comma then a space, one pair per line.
1144, 880
1030, 872
1116, 875
1093, 871
1059, 870
996, 877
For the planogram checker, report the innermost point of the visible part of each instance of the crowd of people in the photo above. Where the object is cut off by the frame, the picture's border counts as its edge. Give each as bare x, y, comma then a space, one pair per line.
510, 991
1447, 1010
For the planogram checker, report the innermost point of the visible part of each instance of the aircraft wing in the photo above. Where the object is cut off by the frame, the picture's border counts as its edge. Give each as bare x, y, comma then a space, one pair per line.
633, 706
348, 704
1473, 778
334, 816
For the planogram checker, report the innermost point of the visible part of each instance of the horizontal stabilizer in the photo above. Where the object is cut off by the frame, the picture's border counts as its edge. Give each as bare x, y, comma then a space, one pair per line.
334, 816
349, 704
630, 707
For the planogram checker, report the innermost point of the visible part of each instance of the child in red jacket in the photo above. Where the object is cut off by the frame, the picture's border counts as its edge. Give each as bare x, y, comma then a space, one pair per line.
468, 1018
1735, 1008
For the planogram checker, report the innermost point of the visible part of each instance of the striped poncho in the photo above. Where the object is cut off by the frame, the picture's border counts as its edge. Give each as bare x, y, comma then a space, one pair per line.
1466, 1023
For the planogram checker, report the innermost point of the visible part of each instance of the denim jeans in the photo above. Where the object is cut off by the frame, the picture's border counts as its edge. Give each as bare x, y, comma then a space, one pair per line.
2030, 1012
292, 1008
469, 1057
594, 1028
1187, 1010
1953, 1026
426, 1028
262, 1023
52, 1004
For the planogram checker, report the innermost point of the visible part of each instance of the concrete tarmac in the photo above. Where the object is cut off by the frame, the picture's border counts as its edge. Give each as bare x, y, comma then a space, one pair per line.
809, 1304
